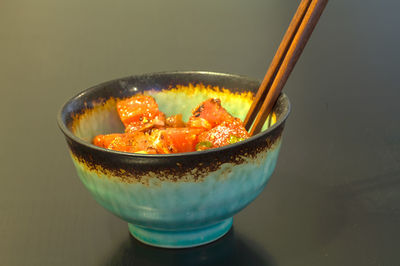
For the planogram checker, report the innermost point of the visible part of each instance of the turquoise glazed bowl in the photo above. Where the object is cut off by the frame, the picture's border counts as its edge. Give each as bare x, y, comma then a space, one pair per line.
172, 200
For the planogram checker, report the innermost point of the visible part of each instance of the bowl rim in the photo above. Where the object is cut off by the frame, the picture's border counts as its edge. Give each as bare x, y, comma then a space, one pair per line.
68, 133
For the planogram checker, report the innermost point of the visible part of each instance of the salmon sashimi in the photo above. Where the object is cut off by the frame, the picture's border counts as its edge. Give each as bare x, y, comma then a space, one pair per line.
148, 130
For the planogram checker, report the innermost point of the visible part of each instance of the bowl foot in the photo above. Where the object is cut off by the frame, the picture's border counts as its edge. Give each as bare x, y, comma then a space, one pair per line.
180, 239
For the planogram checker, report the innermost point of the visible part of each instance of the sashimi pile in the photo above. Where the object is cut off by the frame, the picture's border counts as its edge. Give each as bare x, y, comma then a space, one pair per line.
149, 131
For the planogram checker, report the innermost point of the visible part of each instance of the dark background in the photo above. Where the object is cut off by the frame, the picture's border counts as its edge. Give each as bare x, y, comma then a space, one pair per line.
334, 198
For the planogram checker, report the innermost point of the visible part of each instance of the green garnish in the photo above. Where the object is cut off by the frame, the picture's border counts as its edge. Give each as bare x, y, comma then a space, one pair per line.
203, 145
234, 139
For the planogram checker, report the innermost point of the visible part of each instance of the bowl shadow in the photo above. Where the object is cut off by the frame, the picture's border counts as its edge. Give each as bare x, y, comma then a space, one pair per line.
231, 249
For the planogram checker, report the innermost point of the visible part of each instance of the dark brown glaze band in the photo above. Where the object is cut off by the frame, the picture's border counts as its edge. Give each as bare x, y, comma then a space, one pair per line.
135, 167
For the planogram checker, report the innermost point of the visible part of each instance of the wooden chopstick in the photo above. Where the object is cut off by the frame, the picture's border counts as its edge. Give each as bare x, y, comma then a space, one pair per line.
276, 62
289, 51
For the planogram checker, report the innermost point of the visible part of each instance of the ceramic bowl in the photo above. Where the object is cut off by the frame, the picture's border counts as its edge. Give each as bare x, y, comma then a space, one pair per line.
172, 200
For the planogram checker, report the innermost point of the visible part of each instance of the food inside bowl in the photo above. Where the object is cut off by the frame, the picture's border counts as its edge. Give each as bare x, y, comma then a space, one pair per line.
148, 130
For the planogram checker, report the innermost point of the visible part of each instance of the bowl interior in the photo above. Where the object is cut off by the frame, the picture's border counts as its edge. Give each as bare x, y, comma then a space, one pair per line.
93, 111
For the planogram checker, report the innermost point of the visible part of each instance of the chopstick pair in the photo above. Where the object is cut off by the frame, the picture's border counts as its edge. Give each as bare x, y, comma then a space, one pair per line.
289, 51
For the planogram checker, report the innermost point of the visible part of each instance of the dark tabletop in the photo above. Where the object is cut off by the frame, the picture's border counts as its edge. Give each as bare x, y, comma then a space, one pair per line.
334, 198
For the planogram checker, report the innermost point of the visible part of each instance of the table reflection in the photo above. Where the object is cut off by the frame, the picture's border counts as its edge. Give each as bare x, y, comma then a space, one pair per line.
231, 249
